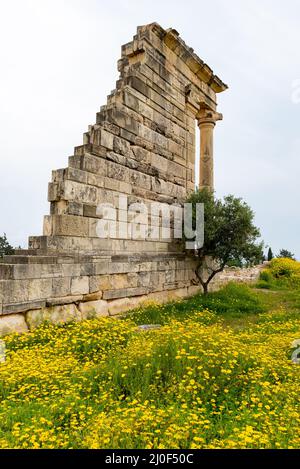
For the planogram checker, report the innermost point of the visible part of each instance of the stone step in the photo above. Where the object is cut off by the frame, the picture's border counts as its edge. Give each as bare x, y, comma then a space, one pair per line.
25, 252
15, 259
84, 245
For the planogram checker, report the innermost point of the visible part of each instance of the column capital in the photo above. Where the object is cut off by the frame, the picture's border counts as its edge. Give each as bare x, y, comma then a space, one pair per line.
207, 116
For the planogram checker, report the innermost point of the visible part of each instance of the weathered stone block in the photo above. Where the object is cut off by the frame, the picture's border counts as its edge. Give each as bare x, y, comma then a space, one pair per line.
107, 139
100, 282
39, 288
79, 285
93, 296
64, 300
22, 307
14, 323
122, 305
125, 292
93, 309
61, 286
55, 315
15, 292
66, 225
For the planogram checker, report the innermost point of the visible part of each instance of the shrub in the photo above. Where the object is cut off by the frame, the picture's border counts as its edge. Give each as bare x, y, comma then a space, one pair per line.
284, 267
5, 248
264, 285
266, 276
281, 273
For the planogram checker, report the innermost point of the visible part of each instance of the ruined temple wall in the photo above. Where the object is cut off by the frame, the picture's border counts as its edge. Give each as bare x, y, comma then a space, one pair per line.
142, 145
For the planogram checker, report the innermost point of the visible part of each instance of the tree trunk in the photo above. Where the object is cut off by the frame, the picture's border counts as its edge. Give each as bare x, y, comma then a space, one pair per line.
212, 275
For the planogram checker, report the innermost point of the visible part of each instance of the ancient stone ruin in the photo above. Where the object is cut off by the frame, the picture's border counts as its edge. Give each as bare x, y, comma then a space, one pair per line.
142, 147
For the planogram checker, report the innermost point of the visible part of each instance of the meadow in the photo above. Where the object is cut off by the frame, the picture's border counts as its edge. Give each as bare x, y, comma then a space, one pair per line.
216, 374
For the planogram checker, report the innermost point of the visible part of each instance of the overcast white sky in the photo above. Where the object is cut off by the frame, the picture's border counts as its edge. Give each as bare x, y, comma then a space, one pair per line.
58, 62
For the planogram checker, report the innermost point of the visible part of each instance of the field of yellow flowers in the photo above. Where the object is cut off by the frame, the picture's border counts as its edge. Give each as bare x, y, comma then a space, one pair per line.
202, 380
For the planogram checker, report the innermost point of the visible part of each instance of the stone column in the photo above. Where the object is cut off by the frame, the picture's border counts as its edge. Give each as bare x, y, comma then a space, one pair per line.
206, 121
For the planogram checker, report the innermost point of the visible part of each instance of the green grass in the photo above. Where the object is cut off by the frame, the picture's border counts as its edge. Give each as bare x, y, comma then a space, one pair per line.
232, 301
217, 374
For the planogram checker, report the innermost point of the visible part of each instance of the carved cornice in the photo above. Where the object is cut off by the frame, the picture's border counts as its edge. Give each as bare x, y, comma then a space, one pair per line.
179, 47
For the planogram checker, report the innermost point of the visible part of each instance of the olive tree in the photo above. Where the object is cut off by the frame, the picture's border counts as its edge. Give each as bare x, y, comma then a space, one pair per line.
230, 236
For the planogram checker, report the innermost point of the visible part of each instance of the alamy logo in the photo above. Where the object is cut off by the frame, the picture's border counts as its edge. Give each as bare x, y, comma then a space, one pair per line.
153, 221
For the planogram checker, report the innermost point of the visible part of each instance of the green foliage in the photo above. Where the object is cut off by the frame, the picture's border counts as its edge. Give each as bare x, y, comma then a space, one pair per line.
264, 285
270, 254
266, 276
281, 273
284, 253
230, 235
284, 268
232, 300
5, 247
235, 263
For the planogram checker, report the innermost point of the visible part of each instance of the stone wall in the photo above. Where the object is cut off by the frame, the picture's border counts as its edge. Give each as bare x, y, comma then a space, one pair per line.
233, 274
99, 303
142, 147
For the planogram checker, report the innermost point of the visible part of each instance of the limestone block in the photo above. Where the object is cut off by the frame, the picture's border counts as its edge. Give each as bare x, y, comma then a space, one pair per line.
102, 267
125, 188
166, 296
15, 291
53, 192
93, 164
125, 292
95, 180
140, 154
61, 286
54, 314
79, 285
119, 281
65, 225
93, 296
114, 129
122, 147
99, 282
117, 171
31, 271
120, 116
112, 184
87, 269
145, 279
117, 267
107, 139
64, 300
122, 305
14, 323
131, 137
39, 288
93, 309
22, 307
70, 270
94, 135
